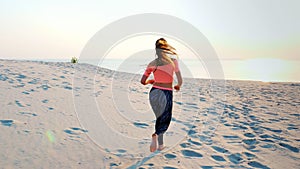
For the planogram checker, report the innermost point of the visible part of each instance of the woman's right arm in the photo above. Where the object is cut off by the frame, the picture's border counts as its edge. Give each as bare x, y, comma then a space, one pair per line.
179, 81
178, 75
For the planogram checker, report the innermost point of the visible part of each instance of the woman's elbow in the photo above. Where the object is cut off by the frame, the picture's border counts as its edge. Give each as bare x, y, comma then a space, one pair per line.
143, 81
179, 78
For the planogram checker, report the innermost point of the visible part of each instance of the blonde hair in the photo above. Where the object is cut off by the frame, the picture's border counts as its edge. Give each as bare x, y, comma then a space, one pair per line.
162, 49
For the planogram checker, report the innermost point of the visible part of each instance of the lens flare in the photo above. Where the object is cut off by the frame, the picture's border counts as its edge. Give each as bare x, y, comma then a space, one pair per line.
50, 136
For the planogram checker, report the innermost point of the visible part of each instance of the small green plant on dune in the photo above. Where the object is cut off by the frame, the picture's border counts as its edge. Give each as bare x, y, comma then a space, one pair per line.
74, 60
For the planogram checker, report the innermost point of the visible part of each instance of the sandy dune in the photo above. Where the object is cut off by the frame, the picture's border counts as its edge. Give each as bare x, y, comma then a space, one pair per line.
63, 115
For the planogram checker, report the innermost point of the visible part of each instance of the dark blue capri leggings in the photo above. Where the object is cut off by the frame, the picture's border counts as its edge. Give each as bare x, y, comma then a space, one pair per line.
161, 102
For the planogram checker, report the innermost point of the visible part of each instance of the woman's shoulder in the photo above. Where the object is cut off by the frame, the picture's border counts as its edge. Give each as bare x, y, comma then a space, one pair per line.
152, 63
174, 59
155, 62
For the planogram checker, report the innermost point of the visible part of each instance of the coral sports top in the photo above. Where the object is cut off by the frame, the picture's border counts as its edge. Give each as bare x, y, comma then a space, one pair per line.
164, 73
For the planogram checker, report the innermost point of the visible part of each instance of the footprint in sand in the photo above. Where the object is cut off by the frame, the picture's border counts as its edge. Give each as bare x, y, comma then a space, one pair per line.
7, 123
11, 81
273, 130
249, 155
292, 128
206, 139
235, 158
274, 120
150, 164
191, 106
271, 113
179, 103
169, 167
267, 140
45, 101
121, 152
68, 87
268, 146
289, 147
3, 77
34, 81
20, 77
202, 99
263, 107
239, 127
296, 115
257, 129
194, 142
75, 131
279, 138
19, 104
170, 156
220, 149
218, 158
185, 145
192, 132
44, 87
233, 115
231, 107
257, 165
191, 153
50, 108
207, 167
252, 148
231, 137
113, 165
211, 111
27, 114
254, 118
250, 142
26, 92
19, 85
140, 125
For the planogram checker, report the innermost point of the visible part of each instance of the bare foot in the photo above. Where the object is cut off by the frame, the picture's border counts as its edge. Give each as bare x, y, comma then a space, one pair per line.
153, 146
161, 147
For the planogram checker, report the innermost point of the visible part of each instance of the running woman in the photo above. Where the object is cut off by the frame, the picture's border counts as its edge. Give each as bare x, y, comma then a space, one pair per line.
161, 93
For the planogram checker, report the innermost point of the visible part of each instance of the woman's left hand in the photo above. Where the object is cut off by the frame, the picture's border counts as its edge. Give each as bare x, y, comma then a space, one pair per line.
150, 81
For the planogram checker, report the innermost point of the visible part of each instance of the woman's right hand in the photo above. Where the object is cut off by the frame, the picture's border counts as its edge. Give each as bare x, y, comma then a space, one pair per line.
177, 87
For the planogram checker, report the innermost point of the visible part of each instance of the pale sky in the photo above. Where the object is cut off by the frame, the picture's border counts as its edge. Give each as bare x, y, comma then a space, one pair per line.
237, 29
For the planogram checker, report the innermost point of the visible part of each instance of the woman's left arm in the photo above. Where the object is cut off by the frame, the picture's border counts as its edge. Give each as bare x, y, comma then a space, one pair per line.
144, 80
146, 74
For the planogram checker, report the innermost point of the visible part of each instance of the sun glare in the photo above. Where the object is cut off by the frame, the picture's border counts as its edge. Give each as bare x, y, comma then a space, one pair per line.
266, 69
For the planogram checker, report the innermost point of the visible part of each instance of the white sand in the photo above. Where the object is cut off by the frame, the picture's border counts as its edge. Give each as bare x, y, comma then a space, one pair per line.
63, 115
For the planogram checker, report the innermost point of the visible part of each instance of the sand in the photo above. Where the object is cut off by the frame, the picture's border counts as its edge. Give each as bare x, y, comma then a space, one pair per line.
63, 115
